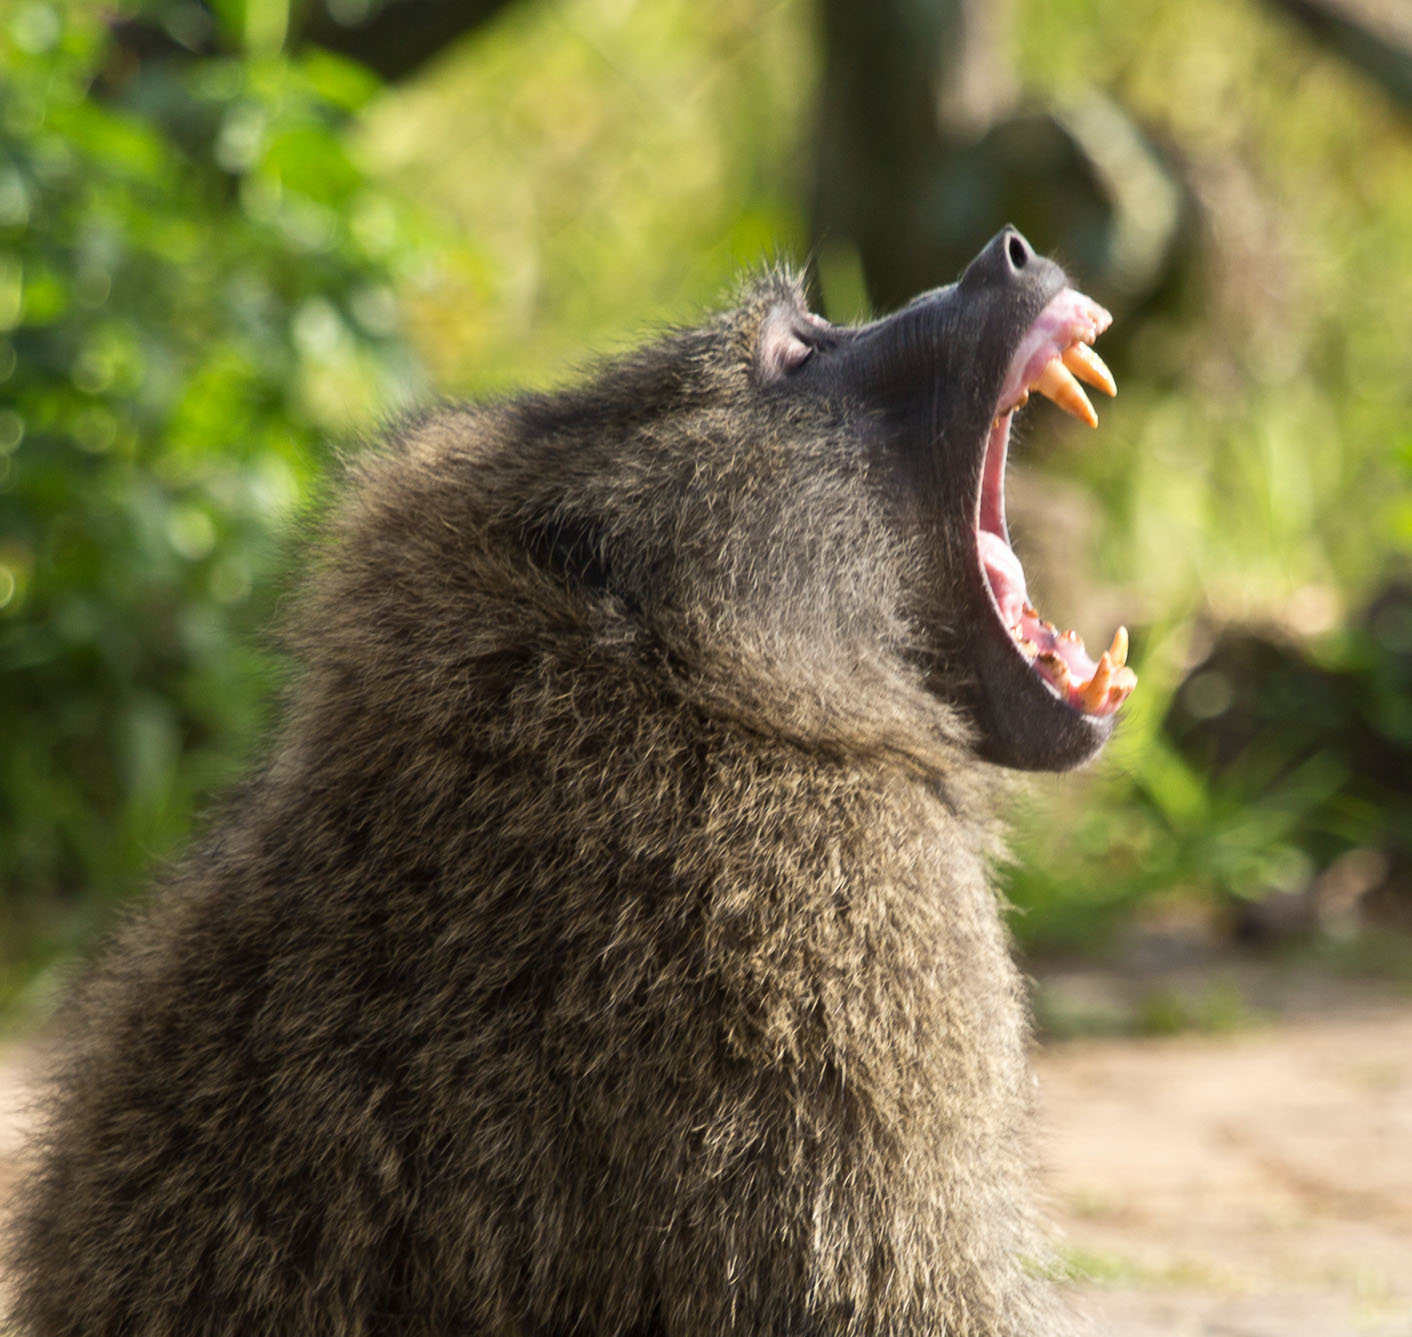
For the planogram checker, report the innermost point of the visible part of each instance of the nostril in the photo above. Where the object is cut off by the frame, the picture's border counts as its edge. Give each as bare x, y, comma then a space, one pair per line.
1007, 258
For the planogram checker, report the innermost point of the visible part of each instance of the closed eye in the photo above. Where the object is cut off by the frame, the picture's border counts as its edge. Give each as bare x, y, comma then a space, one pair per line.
788, 340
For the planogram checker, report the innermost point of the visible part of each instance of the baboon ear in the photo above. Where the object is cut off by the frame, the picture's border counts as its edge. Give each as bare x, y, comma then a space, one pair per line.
780, 349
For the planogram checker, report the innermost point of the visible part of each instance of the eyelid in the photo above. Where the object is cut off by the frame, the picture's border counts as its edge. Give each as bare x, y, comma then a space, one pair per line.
803, 356
817, 336
788, 341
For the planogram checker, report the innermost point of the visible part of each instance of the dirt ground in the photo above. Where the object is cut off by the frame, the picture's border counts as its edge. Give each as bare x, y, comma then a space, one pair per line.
1253, 1183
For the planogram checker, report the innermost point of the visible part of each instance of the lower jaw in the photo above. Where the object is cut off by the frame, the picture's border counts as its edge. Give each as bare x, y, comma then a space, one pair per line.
1022, 723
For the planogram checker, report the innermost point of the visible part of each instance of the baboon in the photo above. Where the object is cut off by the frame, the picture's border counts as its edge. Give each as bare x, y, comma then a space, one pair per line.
607, 945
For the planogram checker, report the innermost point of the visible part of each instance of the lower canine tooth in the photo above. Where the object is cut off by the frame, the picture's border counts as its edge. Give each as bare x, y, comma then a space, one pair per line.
1094, 693
1119, 649
1057, 382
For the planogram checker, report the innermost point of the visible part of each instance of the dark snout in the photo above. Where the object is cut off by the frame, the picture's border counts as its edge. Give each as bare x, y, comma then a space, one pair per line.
960, 335
1009, 275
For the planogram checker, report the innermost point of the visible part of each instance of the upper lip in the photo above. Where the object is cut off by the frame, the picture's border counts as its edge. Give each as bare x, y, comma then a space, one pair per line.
1052, 356
1054, 350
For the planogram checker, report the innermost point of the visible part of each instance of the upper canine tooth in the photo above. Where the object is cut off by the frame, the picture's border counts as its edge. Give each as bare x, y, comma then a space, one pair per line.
1090, 368
1056, 382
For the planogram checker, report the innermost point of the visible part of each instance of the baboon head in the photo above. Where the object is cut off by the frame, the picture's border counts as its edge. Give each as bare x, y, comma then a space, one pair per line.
812, 516
939, 383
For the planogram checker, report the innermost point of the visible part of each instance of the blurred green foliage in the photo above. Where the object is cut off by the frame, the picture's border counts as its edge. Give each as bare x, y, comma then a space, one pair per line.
197, 288
606, 164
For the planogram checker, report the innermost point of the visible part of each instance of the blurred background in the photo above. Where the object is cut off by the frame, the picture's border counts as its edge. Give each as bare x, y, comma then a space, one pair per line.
235, 236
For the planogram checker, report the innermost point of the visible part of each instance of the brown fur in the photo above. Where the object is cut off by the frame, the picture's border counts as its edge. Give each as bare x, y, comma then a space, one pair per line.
608, 945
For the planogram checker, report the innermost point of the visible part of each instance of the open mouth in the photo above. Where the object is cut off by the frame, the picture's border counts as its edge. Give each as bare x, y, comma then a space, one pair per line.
1054, 355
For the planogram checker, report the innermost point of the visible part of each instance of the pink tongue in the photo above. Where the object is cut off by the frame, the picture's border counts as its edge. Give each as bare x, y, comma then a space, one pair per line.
1007, 583
1007, 578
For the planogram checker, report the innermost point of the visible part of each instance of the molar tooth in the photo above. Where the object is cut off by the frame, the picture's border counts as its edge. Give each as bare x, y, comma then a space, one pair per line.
1058, 669
1057, 382
1124, 680
1090, 368
1119, 649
